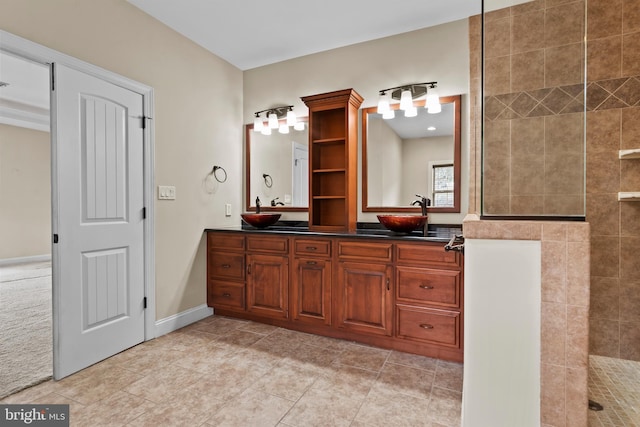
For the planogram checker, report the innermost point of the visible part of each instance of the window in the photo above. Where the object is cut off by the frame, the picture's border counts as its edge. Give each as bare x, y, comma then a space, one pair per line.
442, 185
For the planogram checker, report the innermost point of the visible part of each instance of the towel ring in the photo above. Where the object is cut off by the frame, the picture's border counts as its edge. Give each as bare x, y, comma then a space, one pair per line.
268, 181
214, 172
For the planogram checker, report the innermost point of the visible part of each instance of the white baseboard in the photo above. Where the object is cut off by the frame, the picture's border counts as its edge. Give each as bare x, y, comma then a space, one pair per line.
180, 320
25, 259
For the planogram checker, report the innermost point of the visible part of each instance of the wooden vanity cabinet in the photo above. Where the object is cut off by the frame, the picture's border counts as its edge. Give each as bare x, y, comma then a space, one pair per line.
393, 293
311, 281
429, 296
268, 276
226, 271
364, 298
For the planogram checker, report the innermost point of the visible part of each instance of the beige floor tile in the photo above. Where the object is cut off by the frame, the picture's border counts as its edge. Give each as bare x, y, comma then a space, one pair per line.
201, 396
169, 415
313, 356
239, 338
56, 399
164, 384
360, 356
342, 380
321, 408
90, 389
413, 360
445, 406
115, 410
383, 408
259, 328
216, 325
287, 381
449, 375
251, 408
204, 361
328, 343
405, 380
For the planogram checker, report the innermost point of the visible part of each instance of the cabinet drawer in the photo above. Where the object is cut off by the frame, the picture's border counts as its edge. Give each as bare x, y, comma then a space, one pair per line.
267, 244
225, 294
435, 326
423, 285
226, 265
225, 241
426, 254
318, 247
365, 250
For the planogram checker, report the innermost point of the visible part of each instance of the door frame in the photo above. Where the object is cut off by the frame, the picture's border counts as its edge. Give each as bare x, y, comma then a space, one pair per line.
44, 55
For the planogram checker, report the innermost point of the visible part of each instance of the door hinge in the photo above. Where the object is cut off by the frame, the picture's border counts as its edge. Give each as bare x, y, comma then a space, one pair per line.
53, 76
144, 122
144, 213
55, 238
144, 302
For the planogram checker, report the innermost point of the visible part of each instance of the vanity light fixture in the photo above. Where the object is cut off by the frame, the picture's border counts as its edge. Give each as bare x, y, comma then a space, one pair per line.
406, 94
273, 116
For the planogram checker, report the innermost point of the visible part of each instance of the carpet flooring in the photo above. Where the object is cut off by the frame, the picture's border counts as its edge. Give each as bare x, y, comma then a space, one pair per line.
25, 326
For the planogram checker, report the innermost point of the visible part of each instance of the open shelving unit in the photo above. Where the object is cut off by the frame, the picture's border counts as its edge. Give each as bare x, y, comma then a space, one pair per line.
333, 139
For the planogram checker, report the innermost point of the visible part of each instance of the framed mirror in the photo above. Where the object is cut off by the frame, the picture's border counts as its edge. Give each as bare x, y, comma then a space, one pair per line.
405, 156
277, 169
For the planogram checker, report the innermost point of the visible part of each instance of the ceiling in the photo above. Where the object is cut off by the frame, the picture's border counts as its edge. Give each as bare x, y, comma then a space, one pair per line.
246, 33
250, 34
25, 100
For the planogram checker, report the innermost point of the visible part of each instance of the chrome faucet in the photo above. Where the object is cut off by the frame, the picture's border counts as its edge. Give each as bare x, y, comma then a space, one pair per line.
423, 202
274, 203
258, 205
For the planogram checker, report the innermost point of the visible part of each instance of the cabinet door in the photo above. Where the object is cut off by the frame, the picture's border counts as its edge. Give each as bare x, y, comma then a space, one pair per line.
267, 285
364, 297
311, 291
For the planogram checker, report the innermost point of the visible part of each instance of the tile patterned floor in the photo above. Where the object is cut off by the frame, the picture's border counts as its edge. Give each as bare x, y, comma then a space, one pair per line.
615, 384
227, 372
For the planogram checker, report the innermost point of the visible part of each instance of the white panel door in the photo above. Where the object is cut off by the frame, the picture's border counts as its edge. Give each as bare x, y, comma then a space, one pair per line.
98, 284
300, 175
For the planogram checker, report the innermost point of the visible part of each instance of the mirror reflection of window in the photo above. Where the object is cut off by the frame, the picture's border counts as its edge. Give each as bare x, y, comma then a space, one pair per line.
443, 184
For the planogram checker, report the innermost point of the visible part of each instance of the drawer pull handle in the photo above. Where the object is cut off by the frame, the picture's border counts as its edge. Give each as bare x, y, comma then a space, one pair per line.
426, 326
426, 287
388, 284
226, 265
311, 248
226, 295
311, 262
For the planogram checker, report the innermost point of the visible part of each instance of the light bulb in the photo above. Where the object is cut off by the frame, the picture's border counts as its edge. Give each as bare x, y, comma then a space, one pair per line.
266, 130
273, 121
411, 112
434, 109
383, 103
433, 102
406, 100
291, 118
299, 126
257, 124
389, 114
283, 128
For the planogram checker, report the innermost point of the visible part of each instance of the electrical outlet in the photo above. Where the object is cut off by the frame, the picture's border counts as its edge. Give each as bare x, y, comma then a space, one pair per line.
227, 209
166, 192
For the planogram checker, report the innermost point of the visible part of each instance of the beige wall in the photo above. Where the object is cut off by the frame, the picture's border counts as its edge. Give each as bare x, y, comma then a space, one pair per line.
25, 192
439, 53
198, 117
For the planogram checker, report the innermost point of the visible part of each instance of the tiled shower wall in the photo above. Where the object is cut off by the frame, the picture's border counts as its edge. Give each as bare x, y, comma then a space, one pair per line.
534, 109
613, 123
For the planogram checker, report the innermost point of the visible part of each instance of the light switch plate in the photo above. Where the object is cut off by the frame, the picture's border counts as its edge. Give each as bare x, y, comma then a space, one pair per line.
166, 192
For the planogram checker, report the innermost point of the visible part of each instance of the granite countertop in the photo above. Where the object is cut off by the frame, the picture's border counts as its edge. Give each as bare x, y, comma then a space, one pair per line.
436, 232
